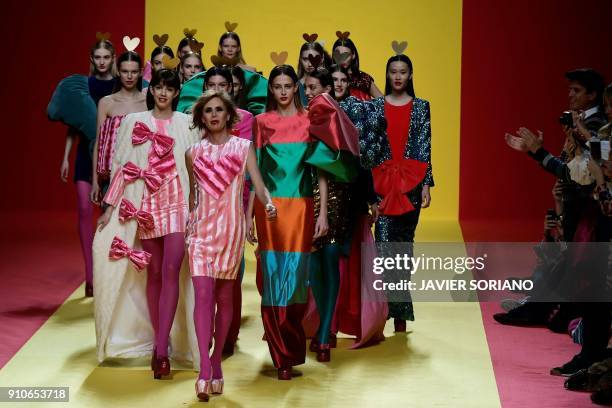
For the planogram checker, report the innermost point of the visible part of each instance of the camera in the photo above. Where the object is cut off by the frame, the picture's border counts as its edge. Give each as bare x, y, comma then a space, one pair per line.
566, 119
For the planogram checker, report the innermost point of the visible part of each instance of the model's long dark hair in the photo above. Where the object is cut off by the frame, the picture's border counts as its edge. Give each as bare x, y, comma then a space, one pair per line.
340, 68
182, 43
125, 57
221, 71
324, 77
407, 61
167, 77
163, 49
240, 95
326, 60
348, 43
290, 72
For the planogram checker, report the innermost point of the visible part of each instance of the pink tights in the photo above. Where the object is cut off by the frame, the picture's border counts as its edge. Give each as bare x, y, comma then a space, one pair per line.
163, 284
210, 292
86, 228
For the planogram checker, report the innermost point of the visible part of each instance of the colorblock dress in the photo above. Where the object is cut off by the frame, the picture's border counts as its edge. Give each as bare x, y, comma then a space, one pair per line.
288, 148
216, 230
283, 145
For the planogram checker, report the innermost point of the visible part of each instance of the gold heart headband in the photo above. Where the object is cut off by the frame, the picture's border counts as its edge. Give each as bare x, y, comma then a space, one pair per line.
399, 47
160, 40
279, 58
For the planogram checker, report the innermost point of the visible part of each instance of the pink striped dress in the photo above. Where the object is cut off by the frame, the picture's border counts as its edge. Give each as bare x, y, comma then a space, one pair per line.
106, 144
216, 230
164, 203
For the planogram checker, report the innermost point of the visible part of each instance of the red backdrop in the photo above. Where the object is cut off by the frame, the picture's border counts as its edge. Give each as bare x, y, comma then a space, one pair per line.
514, 58
50, 40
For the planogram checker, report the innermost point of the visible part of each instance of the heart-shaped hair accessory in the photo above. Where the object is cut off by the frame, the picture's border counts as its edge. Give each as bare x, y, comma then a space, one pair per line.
195, 46
160, 40
399, 47
340, 57
224, 62
230, 27
103, 36
170, 63
315, 60
343, 35
190, 32
130, 44
309, 38
280, 58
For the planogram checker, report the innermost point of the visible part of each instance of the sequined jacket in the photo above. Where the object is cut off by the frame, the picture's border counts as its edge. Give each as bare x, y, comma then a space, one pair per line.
419, 135
369, 119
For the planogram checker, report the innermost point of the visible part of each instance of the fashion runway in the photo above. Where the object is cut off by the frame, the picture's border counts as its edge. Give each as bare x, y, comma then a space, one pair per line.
421, 367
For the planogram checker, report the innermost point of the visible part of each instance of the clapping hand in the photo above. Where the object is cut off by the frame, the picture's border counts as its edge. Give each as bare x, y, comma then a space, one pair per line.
525, 140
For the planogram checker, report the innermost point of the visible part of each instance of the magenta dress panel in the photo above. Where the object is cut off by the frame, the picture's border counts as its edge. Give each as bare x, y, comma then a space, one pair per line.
244, 129
163, 200
217, 230
106, 144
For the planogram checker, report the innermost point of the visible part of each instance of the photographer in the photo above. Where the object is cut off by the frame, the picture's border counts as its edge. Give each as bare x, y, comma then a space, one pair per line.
531, 310
581, 124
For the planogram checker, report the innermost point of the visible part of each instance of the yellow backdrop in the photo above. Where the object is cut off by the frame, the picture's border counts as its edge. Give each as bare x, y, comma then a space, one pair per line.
432, 29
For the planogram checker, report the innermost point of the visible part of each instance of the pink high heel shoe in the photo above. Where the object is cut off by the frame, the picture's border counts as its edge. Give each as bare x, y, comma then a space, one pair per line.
217, 386
203, 389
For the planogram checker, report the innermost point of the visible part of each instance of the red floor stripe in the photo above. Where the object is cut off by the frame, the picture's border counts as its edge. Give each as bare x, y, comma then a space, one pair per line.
41, 267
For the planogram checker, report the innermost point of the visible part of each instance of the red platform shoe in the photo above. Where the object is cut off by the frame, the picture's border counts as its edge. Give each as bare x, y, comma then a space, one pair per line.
162, 368
324, 354
314, 345
284, 373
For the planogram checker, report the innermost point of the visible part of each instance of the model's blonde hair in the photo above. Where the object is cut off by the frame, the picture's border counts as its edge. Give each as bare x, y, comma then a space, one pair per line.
107, 45
198, 108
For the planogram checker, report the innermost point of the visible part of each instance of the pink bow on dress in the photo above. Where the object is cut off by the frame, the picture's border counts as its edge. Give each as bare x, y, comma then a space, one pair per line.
215, 177
119, 249
162, 144
127, 211
152, 179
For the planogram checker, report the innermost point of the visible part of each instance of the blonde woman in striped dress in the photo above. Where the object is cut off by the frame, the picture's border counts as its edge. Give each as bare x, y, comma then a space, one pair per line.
216, 228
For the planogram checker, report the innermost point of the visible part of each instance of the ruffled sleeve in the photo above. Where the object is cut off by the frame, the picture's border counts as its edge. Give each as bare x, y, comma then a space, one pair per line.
72, 104
336, 147
255, 92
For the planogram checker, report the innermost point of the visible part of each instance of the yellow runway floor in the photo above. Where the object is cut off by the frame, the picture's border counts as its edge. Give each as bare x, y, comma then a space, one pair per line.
442, 362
